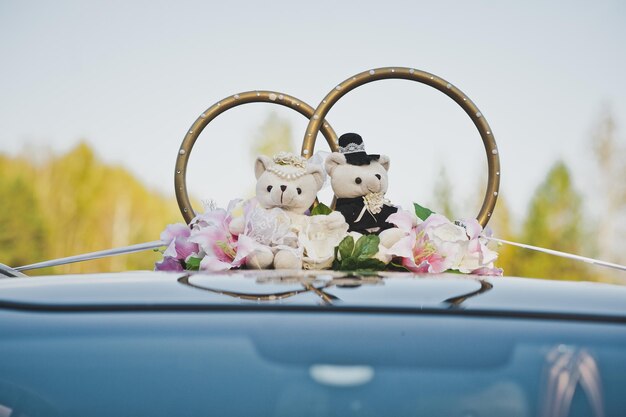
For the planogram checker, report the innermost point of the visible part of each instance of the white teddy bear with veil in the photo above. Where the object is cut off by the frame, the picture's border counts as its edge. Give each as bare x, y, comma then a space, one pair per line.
286, 188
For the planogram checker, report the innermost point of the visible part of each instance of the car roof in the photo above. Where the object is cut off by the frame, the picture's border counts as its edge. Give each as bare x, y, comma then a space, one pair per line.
321, 290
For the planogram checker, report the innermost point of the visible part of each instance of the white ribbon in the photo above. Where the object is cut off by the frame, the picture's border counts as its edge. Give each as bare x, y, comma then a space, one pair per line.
94, 255
373, 203
560, 254
157, 243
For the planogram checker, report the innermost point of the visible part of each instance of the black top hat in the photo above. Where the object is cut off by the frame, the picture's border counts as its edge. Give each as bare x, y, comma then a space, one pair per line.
352, 147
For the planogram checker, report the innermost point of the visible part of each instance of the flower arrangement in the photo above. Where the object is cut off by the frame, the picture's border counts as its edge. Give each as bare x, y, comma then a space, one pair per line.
428, 243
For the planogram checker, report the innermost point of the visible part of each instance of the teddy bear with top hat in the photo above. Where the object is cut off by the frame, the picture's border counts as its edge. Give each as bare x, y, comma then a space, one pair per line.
359, 181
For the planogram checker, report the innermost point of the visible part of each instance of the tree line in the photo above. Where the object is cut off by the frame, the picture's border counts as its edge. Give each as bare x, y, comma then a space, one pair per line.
74, 203
558, 217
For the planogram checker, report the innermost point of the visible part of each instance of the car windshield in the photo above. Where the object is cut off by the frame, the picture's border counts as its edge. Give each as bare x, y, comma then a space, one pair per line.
308, 364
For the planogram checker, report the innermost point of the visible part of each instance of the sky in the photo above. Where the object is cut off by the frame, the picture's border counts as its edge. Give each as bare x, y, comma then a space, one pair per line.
130, 77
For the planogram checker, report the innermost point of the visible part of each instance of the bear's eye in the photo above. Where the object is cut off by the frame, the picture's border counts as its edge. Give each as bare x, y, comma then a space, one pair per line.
299, 190
269, 188
358, 180
378, 176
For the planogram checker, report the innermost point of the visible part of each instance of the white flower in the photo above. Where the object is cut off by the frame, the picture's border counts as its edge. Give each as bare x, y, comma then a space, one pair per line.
477, 256
320, 237
374, 202
450, 240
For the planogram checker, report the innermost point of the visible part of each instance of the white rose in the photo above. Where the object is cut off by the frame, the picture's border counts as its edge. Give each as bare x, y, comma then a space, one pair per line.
319, 239
451, 242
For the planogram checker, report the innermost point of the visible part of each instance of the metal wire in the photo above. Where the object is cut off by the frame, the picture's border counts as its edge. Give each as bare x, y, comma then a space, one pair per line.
94, 255
560, 254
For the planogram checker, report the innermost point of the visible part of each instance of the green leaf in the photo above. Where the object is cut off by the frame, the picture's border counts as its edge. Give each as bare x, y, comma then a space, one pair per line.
371, 264
336, 261
346, 247
336, 265
398, 267
366, 246
348, 264
192, 264
422, 212
321, 209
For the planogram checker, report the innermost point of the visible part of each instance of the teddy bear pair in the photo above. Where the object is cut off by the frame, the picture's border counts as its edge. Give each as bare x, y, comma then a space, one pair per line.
290, 184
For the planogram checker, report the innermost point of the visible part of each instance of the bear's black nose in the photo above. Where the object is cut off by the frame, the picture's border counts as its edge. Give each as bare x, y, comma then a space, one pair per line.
283, 187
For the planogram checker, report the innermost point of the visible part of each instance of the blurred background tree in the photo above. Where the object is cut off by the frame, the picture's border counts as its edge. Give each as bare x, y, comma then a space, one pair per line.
610, 160
22, 228
554, 221
72, 204
443, 192
503, 227
272, 137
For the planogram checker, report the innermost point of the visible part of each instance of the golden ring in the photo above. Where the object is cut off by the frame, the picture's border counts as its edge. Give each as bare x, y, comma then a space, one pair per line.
493, 160
180, 182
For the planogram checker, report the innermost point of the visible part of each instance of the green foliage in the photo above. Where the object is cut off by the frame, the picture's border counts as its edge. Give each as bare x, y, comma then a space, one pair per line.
273, 136
422, 212
192, 264
72, 204
346, 247
501, 222
366, 247
321, 209
553, 221
443, 194
23, 230
397, 267
358, 256
610, 227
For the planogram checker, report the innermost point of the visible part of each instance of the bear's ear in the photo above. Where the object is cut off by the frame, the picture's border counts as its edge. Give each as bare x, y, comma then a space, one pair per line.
318, 174
333, 160
262, 163
384, 161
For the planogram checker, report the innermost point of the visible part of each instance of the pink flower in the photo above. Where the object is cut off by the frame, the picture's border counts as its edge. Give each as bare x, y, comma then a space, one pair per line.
222, 250
473, 229
176, 237
424, 256
404, 220
173, 231
496, 272
209, 238
479, 258
437, 245
449, 240
169, 264
228, 255
418, 253
210, 218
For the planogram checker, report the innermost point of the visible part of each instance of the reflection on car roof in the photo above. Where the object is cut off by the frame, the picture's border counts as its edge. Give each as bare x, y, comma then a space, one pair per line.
445, 293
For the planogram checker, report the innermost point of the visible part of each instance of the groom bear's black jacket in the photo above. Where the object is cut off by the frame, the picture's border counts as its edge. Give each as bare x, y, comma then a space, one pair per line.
369, 223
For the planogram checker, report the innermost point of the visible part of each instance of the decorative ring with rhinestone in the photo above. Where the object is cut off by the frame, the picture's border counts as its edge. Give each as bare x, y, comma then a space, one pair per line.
493, 161
273, 97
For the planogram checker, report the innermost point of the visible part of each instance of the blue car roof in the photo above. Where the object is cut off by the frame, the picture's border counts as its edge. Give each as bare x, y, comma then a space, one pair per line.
391, 292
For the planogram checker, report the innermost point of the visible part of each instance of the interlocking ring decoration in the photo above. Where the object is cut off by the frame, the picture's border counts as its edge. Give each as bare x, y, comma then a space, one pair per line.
318, 123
